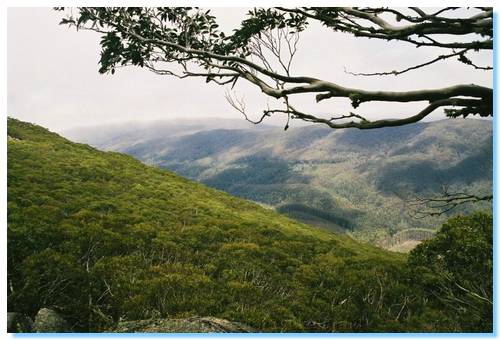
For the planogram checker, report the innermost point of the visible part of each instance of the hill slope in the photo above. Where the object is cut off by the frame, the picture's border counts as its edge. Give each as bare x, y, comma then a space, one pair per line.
346, 181
101, 237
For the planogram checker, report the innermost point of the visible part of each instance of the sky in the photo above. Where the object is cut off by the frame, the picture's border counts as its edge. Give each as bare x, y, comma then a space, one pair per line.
53, 79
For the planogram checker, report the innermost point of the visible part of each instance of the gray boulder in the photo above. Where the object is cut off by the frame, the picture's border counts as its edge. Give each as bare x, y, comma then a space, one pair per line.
19, 323
49, 321
190, 325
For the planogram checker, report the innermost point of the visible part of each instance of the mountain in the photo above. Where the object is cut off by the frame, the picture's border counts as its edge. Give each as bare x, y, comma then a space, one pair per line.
102, 239
361, 182
113, 135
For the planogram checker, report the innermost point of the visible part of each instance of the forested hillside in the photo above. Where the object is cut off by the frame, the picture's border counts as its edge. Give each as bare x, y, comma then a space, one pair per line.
101, 237
354, 181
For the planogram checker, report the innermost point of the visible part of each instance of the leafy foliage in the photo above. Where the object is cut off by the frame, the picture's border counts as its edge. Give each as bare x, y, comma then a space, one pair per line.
191, 27
102, 237
461, 255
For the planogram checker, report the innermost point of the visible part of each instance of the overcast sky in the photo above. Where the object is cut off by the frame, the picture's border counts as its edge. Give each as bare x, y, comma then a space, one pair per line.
53, 79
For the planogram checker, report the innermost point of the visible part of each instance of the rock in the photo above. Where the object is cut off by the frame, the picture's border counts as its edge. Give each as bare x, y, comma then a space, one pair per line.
190, 325
49, 321
19, 323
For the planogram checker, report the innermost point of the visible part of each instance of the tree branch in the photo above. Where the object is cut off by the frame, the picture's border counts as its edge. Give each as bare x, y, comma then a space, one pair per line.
153, 37
461, 58
444, 203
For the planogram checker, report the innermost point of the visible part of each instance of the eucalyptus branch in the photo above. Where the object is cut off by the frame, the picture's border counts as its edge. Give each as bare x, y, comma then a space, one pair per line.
262, 53
460, 54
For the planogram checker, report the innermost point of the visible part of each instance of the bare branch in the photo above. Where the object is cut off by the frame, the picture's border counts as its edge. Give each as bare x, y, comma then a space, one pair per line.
355, 19
461, 55
366, 124
445, 202
239, 105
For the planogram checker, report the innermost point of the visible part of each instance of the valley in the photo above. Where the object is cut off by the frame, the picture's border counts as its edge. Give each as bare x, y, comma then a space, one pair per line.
357, 182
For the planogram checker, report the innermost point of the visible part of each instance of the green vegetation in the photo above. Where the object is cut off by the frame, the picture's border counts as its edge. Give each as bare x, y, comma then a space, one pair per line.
100, 237
462, 255
351, 181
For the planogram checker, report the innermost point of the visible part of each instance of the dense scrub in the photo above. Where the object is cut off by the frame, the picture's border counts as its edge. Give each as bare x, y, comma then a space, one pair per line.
462, 255
102, 237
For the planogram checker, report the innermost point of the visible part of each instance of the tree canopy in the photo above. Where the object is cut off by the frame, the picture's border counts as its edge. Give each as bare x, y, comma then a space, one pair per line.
187, 42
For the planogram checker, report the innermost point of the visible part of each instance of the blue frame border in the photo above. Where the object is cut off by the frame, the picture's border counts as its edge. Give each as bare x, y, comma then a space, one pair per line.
340, 335
495, 174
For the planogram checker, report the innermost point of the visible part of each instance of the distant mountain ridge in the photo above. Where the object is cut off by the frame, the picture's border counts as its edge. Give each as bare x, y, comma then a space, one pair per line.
343, 180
